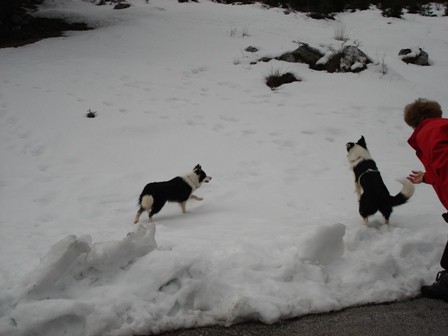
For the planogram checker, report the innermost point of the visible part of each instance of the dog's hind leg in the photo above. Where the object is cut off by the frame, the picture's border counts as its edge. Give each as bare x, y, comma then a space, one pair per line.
366, 209
386, 212
156, 205
137, 216
147, 202
358, 190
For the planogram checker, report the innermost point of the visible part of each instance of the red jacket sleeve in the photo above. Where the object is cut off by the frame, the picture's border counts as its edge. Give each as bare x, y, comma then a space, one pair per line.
439, 163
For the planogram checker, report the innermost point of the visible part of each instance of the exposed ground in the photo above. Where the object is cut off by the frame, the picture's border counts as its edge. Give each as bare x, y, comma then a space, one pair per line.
35, 30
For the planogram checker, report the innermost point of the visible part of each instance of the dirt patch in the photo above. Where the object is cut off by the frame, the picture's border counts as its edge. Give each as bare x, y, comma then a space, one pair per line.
276, 80
36, 30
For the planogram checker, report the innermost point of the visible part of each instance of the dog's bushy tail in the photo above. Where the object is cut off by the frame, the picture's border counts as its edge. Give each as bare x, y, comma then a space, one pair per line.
405, 194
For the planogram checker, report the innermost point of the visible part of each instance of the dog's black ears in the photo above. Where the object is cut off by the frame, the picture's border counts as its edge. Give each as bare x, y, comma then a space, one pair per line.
362, 142
198, 167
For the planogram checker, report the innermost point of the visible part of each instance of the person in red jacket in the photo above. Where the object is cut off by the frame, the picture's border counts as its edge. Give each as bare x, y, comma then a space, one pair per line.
430, 141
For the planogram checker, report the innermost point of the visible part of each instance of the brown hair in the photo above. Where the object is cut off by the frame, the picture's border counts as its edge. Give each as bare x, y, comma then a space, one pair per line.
421, 109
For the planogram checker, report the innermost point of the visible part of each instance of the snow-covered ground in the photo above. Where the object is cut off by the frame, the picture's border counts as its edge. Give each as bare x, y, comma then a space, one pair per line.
278, 234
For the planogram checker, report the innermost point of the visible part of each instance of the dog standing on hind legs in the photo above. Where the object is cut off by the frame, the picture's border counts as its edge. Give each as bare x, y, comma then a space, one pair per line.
373, 194
179, 189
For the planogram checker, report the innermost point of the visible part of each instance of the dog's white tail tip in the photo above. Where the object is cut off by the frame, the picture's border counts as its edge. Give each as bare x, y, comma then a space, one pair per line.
408, 187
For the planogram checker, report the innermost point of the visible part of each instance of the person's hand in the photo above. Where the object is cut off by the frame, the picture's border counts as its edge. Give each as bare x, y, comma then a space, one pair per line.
416, 176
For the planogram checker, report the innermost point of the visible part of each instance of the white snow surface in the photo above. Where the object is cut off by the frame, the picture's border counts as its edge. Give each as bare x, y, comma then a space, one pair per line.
277, 235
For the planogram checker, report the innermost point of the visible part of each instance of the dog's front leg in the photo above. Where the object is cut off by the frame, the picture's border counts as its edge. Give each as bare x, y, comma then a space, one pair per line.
183, 206
197, 198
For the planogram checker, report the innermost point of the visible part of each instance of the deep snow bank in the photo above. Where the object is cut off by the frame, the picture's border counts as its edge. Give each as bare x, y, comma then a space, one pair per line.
132, 286
128, 286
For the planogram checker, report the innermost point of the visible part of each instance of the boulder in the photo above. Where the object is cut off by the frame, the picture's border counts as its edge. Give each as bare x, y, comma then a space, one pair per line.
122, 5
353, 60
414, 56
303, 54
251, 49
348, 59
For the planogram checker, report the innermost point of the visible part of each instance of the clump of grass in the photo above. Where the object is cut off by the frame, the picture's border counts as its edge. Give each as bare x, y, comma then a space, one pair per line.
277, 78
382, 66
340, 32
91, 114
244, 32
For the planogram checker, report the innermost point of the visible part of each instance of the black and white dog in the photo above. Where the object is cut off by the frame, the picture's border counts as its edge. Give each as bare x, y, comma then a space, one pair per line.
372, 193
179, 189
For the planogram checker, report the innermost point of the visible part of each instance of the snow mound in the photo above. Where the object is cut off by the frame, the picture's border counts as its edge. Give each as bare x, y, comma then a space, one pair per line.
48, 299
325, 245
